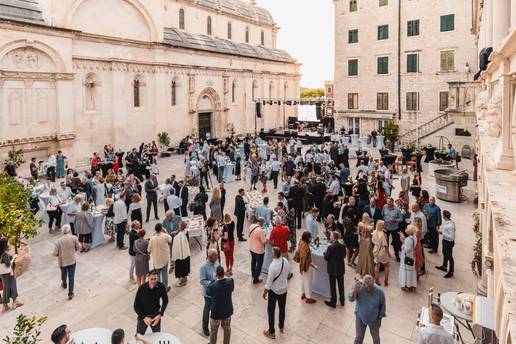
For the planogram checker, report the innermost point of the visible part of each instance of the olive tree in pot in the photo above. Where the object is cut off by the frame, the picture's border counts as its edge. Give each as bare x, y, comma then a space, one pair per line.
26, 331
391, 132
17, 221
164, 143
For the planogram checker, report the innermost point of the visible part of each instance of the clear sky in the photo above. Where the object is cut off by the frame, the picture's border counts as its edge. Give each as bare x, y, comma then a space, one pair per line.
307, 33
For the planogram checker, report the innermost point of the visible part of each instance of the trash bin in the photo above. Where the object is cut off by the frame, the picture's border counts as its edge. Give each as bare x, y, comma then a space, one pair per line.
449, 183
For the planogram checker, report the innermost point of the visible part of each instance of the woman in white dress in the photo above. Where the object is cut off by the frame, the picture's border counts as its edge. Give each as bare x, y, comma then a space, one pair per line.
408, 273
100, 192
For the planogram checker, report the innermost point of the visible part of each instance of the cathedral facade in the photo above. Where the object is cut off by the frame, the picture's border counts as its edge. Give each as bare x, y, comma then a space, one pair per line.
78, 74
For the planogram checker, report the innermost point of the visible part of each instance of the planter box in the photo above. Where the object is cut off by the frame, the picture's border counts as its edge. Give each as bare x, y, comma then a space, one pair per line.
433, 165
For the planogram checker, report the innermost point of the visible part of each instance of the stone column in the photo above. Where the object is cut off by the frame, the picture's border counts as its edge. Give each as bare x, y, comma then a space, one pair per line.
65, 111
501, 21
487, 20
121, 104
504, 157
513, 128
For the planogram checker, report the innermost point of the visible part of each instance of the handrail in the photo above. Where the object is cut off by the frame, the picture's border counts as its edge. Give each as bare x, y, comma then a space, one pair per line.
424, 129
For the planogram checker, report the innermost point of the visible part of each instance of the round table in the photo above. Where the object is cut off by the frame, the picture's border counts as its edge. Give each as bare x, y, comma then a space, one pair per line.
92, 336
449, 306
158, 337
462, 318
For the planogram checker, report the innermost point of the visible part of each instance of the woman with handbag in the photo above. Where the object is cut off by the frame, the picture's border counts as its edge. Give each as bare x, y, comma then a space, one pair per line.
303, 256
84, 227
408, 273
228, 243
7, 265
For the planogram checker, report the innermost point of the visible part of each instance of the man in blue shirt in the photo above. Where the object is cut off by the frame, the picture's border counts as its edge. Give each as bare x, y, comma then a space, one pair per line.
264, 211
207, 275
369, 309
433, 222
311, 222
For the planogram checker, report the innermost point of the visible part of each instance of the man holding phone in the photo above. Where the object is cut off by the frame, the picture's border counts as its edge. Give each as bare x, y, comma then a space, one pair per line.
369, 308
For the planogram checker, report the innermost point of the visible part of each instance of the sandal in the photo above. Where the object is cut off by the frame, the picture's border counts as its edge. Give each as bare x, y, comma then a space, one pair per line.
6, 308
17, 304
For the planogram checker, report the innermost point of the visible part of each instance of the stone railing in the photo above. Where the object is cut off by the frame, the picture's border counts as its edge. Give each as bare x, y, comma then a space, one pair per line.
424, 130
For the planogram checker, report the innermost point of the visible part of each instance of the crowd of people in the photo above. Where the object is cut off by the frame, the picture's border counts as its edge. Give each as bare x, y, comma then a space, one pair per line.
356, 210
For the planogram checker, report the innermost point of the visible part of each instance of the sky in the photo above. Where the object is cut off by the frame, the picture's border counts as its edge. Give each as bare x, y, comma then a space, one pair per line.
307, 33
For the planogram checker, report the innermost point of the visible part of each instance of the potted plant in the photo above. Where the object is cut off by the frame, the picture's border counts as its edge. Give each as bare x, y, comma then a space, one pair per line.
476, 263
26, 331
164, 142
17, 221
391, 132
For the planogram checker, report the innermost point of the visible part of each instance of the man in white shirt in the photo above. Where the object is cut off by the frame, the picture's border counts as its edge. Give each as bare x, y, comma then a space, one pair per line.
64, 192
51, 167
276, 290
165, 192
174, 202
335, 187
159, 250
448, 230
416, 212
120, 221
434, 333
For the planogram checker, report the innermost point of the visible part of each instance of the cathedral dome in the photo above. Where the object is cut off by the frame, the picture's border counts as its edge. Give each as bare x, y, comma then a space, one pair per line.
246, 10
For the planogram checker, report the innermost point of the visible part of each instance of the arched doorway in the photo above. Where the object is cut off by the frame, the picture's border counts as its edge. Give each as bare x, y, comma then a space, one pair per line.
209, 122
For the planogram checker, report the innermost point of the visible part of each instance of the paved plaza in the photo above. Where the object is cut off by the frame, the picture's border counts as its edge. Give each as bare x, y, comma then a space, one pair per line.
104, 296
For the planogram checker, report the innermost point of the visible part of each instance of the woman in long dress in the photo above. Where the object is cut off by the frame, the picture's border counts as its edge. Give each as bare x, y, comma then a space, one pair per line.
381, 252
408, 273
420, 254
215, 207
100, 192
181, 255
365, 262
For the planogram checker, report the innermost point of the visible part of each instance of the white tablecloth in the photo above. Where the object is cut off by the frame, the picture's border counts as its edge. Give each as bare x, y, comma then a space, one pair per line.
159, 337
320, 278
195, 226
97, 236
229, 173
354, 139
92, 336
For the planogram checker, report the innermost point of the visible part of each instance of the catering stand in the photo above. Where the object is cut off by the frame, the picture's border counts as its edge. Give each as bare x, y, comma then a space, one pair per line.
449, 183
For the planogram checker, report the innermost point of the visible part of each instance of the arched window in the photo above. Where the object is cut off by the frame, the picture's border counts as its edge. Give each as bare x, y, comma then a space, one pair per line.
173, 93
137, 93
230, 33
233, 91
247, 34
208, 26
263, 37
255, 90
181, 19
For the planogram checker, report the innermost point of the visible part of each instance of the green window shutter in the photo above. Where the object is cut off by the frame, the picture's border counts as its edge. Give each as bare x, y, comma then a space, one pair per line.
383, 65
447, 61
448, 22
413, 28
383, 2
352, 67
383, 32
353, 7
352, 36
412, 63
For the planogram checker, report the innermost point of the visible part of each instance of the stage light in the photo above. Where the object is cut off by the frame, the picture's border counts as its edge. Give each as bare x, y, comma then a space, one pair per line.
270, 102
264, 103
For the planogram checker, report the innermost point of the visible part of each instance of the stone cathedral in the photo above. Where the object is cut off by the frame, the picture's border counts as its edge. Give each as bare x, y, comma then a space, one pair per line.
78, 74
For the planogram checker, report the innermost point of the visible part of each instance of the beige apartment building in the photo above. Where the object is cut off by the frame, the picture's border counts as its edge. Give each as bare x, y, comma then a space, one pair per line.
496, 143
78, 74
395, 58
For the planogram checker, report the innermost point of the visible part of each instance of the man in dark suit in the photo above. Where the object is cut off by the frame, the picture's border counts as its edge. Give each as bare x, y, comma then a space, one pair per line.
297, 194
182, 192
335, 255
221, 310
374, 212
151, 189
240, 213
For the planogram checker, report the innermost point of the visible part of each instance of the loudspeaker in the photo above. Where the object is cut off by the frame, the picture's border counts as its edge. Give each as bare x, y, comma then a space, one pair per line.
259, 110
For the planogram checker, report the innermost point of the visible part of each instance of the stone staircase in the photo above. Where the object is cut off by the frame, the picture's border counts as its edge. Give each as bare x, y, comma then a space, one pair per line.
410, 137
